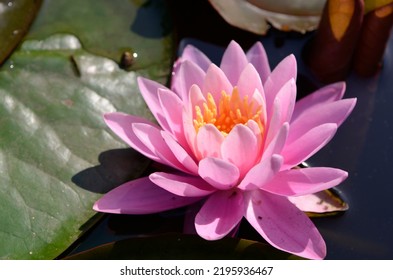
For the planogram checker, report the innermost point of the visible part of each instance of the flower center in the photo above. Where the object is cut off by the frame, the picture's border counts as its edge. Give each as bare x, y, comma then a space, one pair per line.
232, 110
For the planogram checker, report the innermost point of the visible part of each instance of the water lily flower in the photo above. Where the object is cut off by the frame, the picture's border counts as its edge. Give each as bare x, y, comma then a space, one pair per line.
232, 136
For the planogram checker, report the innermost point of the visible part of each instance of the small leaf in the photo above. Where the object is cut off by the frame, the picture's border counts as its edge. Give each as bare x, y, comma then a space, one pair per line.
179, 247
320, 204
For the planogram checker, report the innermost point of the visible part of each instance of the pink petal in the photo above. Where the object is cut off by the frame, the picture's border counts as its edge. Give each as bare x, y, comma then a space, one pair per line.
307, 145
172, 109
209, 141
284, 71
121, 124
257, 56
277, 143
284, 226
334, 112
249, 81
220, 214
287, 98
259, 98
240, 147
189, 132
140, 196
195, 55
233, 62
216, 82
324, 95
149, 90
304, 181
151, 137
283, 105
196, 98
274, 121
219, 173
188, 74
256, 130
261, 173
180, 153
182, 185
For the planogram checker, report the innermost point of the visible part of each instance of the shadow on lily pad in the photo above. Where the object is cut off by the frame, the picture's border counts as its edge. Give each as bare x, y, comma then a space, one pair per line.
116, 166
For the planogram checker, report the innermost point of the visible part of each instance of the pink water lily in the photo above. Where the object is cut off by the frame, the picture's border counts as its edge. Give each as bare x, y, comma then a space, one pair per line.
232, 135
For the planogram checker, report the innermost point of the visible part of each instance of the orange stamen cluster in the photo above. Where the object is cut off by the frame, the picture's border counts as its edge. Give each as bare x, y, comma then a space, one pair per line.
232, 110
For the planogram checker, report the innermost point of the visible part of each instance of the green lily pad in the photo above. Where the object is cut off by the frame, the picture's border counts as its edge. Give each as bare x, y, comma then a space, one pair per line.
15, 19
182, 247
56, 154
110, 28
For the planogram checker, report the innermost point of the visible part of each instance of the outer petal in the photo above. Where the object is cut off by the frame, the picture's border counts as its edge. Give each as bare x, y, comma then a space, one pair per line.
257, 56
249, 81
182, 185
240, 147
284, 71
324, 95
304, 181
151, 137
307, 145
180, 153
140, 196
220, 214
284, 226
233, 62
216, 82
195, 55
261, 173
149, 90
189, 132
209, 141
188, 74
334, 112
219, 173
121, 124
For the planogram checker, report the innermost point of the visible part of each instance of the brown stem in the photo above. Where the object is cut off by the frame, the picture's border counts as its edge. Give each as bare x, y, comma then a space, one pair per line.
373, 39
329, 53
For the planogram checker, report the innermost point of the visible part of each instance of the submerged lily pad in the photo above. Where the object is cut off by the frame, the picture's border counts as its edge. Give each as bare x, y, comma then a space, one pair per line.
321, 204
180, 247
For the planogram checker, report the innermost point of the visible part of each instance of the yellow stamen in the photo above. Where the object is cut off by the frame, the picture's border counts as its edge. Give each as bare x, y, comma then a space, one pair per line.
232, 110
